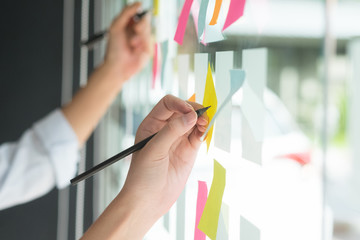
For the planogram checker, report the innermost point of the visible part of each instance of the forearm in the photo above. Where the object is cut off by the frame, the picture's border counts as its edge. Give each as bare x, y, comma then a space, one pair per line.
124, 218
90, 103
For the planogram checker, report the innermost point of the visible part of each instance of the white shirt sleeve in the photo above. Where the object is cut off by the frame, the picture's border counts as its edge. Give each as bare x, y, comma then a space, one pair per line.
46, 155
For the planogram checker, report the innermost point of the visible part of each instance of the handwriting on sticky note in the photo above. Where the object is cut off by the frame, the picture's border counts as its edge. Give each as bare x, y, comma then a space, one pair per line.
210, 100
236, 11
184, 15
200, 204
210, 218
237, 78
216, 12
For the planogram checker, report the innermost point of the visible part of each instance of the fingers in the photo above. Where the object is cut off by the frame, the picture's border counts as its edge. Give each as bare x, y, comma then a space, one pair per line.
169, 105
196, 134
173, 130
120, 22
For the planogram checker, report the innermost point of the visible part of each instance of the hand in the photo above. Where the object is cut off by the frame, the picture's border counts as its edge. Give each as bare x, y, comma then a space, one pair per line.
129, 45
158, 172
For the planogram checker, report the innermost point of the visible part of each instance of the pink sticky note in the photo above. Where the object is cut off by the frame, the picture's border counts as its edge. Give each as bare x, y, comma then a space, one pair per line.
236, 10
184, 15
156, 65
201, 200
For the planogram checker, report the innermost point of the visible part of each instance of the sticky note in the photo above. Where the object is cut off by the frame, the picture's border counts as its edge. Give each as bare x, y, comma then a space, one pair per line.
215, 15
180, 216
200, 70
184, 15
183, 73
212, 34
200, 204
251, 148
210, 218
195, 8
164, 55
210, 100
155, 7
223, 225
192, 98
255, 62
222, 134
237, 80
236, 11
248, 230
202, 18
254, 112
155, 67
252, 106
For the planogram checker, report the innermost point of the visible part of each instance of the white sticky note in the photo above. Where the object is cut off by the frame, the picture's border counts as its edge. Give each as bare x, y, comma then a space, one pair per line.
222, 135
248, 230
255, 65
200, 70
180, 216
254, 111
213, 34
254, 62
251, 149
223, 225
183, 73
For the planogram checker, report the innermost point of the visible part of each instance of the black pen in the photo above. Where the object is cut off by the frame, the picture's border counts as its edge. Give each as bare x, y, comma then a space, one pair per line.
121, 155
100, 35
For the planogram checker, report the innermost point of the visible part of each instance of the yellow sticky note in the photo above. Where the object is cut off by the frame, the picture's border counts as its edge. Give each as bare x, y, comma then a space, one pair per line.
156, 7
210, 100
210, 217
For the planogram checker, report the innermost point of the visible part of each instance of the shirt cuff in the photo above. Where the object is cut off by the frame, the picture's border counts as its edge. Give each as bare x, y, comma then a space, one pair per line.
61, 143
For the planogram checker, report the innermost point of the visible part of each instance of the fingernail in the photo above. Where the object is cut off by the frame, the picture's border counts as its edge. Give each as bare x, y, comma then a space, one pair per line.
189, 118
189, 106
203, 120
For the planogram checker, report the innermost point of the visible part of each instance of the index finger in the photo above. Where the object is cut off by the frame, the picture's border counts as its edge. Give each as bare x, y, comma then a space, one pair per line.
121, 21
169, 105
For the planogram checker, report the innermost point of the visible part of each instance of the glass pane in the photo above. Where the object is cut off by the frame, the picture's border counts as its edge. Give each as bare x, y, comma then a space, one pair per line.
296, 115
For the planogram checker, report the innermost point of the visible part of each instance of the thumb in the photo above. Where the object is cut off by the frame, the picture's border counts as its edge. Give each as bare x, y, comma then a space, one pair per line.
174, 129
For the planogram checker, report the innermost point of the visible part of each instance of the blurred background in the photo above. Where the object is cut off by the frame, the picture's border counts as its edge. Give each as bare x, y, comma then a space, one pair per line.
307, 183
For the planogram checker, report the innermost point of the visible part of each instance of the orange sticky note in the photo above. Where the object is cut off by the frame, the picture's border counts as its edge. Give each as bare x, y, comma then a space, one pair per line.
216, 12
210, 217
192, 98
210, 100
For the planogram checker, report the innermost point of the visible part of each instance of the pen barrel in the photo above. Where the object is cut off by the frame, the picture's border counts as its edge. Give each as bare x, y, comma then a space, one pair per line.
111, 160
120, 155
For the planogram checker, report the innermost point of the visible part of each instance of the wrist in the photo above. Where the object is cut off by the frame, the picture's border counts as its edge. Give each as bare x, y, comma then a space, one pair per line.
112, 74
134, 221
